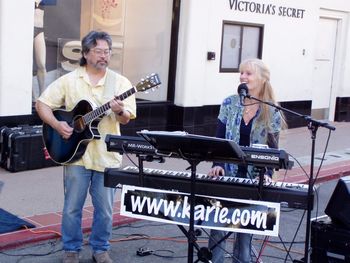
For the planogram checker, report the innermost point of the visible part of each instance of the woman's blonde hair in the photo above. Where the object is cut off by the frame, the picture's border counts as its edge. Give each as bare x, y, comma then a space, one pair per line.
266, 92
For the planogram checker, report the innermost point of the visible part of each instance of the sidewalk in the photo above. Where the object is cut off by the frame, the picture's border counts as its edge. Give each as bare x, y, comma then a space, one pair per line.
20, 195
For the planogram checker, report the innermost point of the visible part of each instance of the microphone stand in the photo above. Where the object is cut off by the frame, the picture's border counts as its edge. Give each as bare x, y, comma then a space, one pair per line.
313, 126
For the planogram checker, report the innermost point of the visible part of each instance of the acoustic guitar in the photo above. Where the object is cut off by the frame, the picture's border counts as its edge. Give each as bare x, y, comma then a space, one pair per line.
84, 119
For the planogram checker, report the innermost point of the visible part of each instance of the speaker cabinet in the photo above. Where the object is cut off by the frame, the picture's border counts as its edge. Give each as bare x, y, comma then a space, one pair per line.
329, 242
338, 207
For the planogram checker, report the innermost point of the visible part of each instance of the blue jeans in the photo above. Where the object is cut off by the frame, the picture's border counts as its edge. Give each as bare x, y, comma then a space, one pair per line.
77, 181
241, 249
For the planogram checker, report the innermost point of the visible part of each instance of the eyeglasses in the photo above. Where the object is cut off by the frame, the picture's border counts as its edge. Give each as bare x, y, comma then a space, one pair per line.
101, 52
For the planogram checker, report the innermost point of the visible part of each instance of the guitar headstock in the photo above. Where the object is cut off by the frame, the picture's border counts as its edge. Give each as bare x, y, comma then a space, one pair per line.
149, 82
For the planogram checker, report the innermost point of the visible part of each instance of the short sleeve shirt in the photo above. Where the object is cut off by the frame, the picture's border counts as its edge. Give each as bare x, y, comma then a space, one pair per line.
231, 114
75, 86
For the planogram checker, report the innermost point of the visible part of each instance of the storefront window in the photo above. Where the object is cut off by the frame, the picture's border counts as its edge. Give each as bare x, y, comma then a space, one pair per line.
239, 42
140, 33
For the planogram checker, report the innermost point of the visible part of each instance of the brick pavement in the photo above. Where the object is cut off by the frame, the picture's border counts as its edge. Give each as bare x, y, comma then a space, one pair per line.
335, 165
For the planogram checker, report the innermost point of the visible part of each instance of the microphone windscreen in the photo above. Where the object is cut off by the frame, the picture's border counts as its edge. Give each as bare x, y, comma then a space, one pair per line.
242, 89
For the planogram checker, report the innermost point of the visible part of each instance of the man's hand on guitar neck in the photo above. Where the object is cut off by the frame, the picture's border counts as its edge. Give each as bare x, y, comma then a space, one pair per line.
117, 106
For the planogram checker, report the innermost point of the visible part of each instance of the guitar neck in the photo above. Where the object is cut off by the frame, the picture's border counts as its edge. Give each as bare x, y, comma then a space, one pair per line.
94, 114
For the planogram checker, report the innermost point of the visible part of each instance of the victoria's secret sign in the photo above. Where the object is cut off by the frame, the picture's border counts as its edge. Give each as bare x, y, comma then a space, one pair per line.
267, 9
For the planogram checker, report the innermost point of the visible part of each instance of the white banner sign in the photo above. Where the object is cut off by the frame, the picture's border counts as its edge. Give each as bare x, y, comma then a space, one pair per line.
228, 214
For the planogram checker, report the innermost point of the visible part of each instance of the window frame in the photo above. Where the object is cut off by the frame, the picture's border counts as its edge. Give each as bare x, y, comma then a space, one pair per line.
242, 25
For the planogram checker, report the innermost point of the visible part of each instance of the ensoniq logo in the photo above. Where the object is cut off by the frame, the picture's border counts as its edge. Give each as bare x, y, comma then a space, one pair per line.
264, 157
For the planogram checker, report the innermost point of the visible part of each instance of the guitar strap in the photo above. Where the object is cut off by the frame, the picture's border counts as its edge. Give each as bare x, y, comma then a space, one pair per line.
110, 82
109, 88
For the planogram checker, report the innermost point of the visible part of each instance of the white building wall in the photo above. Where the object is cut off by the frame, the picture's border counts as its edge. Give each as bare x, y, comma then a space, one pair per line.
344, 91
334, 4
191, 64
288, 49
16, 49
344, 56
330, 63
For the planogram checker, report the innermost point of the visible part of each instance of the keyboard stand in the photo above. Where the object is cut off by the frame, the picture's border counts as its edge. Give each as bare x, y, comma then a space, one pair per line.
148, 158
204, 254
194, 149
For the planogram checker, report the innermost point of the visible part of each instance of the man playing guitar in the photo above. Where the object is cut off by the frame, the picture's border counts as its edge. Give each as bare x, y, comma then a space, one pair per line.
98, 85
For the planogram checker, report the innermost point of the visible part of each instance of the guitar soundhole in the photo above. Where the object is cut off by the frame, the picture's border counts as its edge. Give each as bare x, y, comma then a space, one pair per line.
78, 124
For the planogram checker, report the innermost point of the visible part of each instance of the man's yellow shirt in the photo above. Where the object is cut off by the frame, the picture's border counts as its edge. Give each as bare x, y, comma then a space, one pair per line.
75, 86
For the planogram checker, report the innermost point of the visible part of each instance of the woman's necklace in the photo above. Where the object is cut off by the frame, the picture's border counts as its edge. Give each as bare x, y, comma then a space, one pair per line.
249, 112
249, 108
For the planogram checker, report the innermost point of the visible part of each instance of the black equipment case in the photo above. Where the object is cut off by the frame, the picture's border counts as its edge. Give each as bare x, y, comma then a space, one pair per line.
22, 149
330, 242
4, 133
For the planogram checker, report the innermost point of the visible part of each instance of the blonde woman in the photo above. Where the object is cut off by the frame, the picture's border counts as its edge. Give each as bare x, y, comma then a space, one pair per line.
247, 124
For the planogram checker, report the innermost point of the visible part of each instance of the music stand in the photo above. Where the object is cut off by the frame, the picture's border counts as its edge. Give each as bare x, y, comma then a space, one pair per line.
194, 149
191, 146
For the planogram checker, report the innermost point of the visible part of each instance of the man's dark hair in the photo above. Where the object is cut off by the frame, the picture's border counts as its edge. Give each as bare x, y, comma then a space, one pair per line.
90, 41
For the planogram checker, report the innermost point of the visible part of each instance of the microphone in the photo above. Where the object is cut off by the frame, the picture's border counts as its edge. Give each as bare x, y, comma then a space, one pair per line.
242, 92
